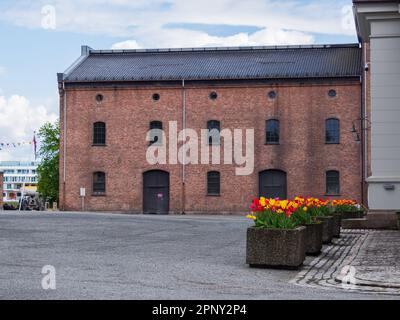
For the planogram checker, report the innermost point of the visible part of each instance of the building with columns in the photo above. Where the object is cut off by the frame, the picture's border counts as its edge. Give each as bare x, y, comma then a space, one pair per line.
378, 26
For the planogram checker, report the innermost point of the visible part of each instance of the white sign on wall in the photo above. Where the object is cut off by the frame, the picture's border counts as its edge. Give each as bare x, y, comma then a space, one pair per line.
83, 192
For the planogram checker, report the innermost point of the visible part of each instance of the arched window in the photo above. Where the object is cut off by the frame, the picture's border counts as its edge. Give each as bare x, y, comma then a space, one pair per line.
332, 131
272, 131
214, 130
332, 182
213, 183
156, 134
99, 134
99, 183
273, 184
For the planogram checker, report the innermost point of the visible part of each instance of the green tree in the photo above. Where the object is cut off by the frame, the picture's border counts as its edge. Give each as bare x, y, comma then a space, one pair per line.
49, 154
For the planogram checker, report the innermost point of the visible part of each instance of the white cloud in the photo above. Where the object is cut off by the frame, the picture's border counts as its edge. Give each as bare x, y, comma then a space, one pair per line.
129, 44
18, 120
144, 21
190, 38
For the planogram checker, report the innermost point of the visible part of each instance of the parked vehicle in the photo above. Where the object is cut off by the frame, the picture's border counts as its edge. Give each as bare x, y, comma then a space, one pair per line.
31, 201
8, 207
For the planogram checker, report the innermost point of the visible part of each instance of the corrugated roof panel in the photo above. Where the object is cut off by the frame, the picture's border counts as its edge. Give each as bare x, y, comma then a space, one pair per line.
220, 63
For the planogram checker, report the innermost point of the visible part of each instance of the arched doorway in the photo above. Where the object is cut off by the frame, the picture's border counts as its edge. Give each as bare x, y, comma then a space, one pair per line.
273, 184
156, 192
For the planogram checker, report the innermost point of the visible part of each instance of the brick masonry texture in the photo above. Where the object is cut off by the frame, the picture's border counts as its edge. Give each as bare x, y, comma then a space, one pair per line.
302, 109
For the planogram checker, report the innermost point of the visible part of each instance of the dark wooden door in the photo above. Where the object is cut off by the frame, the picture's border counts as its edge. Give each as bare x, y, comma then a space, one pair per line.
273, 184
156, 192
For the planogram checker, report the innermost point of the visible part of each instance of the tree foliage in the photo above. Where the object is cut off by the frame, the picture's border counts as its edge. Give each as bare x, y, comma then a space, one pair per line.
48, 169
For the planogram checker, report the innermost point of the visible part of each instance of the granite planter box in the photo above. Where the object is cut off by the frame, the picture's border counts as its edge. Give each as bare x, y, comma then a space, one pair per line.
327, 229
314, 238
337, 224
398, 220
352, 215
276, 248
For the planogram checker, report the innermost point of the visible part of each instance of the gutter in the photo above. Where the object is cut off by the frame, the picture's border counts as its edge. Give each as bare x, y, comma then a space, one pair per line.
184, 133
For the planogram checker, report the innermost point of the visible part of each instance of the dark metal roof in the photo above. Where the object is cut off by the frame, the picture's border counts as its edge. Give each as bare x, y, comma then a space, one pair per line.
324, 61
374, 1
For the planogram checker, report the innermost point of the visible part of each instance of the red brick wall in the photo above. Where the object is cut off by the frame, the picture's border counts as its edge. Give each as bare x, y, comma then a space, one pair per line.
302, 153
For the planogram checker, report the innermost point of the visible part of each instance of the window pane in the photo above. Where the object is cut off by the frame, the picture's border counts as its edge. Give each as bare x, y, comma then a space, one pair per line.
99, 182
99, 133
214, 129
156, 133
332, 182
213, 183
332, 131
272, 131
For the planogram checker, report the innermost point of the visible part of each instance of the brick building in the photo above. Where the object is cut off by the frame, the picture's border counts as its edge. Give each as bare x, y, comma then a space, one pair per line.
301, 101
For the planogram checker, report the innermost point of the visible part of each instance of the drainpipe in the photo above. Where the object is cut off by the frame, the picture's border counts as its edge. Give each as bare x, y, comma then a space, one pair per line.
364, 124
64, 142
184, 132
362, 96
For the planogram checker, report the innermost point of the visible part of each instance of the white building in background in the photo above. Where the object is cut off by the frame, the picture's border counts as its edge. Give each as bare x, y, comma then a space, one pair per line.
16, 176
378, 24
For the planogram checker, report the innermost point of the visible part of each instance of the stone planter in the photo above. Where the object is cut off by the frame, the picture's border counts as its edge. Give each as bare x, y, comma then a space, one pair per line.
352, 215
276, 248
327, 229
398, 220
337, 224
314, 238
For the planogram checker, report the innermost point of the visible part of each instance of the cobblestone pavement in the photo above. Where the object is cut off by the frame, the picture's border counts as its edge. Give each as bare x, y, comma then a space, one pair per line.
365, 261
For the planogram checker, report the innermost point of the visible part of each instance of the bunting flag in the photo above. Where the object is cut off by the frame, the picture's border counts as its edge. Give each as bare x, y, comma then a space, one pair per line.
6, 145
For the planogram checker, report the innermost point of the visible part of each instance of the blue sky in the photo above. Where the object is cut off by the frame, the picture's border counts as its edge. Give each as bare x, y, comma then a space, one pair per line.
31, 53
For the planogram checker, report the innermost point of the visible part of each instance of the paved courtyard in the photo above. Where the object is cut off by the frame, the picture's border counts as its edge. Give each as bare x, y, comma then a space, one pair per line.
106, 256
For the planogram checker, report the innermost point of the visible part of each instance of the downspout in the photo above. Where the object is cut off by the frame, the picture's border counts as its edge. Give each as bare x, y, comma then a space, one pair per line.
183, 158
364, 125
362, 162
64, 143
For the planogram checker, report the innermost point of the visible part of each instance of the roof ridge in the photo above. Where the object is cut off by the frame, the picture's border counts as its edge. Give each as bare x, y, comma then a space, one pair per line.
220, 49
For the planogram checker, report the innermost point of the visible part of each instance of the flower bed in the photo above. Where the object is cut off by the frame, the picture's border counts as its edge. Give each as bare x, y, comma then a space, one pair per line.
348, 209
318, 210
277, 239
285, 230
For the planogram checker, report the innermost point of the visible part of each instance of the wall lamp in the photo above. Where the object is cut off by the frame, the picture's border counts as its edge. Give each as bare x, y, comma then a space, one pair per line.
354, 131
